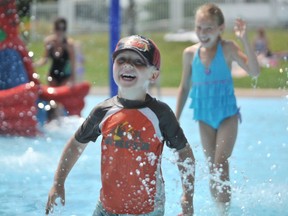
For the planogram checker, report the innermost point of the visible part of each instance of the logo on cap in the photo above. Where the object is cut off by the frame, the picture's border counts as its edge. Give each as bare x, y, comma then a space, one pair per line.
133, 42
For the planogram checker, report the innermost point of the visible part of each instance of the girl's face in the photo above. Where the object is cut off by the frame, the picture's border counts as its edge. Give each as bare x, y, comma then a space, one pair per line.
207, 29
130, 70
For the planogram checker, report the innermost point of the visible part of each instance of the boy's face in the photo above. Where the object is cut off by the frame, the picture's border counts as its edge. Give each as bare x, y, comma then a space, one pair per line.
131, 70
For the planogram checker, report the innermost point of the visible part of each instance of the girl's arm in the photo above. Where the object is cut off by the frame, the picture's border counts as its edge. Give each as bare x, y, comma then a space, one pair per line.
185, 83
72, 151
248, 60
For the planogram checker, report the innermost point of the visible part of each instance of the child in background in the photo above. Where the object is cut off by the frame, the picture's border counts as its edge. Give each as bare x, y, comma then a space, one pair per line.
207, 68
261, 43
264, 55
134, 127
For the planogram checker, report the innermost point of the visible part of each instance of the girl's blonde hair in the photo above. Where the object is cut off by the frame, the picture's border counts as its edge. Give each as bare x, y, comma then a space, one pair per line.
213, 11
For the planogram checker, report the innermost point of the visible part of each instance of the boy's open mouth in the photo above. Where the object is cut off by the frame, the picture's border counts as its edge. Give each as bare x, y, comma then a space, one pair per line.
128, 76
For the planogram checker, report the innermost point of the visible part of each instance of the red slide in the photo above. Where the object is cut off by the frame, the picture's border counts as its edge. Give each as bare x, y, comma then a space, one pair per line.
18, 110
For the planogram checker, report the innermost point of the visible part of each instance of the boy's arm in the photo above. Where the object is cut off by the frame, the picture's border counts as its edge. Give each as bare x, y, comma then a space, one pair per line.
186, 166
72, 151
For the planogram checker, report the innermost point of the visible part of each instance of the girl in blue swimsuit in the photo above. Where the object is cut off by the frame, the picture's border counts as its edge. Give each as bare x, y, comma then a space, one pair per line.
207, 68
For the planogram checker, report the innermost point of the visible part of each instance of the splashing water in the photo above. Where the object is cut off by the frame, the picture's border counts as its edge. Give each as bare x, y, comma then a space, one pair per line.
254, 81
258, 164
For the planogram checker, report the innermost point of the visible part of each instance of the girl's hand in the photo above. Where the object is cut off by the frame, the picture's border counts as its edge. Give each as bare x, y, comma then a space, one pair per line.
240, 28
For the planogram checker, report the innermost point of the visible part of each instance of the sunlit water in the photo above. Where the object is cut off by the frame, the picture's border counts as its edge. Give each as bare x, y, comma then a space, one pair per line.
258, 166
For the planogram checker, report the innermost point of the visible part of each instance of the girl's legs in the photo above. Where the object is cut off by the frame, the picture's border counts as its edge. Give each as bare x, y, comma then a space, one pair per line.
225, 141
218, 146
208, 139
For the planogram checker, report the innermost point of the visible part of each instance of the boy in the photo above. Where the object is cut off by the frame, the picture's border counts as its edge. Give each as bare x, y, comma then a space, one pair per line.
134, 127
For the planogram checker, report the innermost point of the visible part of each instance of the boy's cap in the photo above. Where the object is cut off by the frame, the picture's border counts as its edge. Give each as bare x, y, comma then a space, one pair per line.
143, 46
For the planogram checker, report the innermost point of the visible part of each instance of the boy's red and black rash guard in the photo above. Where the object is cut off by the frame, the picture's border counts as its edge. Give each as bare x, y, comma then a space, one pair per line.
133, 134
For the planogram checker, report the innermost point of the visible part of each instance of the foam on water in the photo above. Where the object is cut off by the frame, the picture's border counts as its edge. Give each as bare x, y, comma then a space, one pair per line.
28, 159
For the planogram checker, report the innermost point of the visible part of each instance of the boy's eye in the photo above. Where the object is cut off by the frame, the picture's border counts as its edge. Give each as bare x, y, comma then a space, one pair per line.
139, 62
120, 60
135, 62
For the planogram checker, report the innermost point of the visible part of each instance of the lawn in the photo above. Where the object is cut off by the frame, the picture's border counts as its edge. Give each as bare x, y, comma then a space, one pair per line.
96, 51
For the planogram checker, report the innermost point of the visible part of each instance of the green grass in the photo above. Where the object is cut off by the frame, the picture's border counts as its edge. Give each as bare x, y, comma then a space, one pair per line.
96, 51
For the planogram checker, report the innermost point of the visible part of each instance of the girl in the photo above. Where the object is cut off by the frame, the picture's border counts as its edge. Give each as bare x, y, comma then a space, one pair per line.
207, 68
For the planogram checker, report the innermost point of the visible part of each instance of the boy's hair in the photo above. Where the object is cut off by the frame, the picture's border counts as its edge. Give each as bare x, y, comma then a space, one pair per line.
60, 24
143, 46
212, 10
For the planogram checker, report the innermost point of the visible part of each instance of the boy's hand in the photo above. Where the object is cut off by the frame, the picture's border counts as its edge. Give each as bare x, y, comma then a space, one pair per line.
55, 192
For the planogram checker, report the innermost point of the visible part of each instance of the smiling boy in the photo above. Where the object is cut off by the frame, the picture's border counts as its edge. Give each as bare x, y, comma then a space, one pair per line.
134, 127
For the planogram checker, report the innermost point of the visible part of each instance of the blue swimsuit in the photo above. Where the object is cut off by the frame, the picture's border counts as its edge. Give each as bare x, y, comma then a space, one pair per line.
212, 94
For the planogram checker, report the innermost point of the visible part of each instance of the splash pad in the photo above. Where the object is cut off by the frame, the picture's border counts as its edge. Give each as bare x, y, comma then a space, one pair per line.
258, 166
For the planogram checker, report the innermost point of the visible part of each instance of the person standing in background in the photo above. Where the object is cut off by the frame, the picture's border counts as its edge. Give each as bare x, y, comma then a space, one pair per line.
60, 50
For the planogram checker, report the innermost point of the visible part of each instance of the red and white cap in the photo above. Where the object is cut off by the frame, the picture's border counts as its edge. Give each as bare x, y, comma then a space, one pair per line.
143, 46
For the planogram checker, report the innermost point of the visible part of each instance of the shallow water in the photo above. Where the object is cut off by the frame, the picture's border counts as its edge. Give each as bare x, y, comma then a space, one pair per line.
258, 166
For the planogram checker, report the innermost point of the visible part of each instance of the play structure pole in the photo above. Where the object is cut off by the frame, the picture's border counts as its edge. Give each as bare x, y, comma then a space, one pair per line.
115, 29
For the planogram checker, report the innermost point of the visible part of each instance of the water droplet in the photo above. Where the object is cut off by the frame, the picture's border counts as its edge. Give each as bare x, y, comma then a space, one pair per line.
31, 54
273, 167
